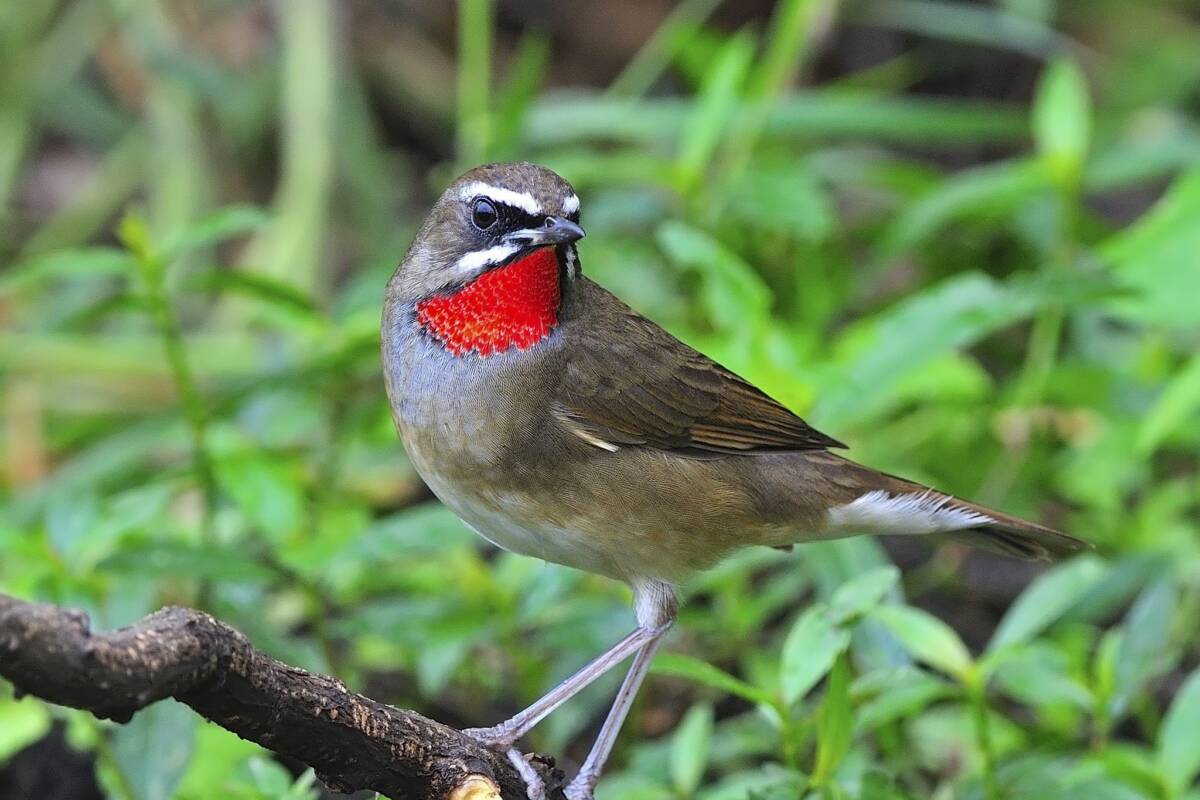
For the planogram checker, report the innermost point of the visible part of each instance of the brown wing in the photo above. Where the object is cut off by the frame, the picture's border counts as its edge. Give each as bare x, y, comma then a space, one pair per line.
627, 382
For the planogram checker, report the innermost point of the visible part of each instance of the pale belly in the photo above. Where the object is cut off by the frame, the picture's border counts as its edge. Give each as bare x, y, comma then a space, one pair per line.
531, 489
511, 520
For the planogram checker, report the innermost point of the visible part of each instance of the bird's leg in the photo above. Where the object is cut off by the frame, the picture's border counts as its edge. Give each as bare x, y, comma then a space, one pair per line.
507, 732
656, 607
585, 782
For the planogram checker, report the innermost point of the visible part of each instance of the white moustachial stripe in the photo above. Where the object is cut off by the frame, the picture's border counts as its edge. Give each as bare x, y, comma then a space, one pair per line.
522, 200
478, 259
918, 512
571, 204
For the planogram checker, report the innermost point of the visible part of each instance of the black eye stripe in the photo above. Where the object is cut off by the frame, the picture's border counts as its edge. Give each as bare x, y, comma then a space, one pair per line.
509, 217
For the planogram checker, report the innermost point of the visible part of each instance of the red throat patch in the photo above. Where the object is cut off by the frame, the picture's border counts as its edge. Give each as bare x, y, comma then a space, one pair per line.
515, 305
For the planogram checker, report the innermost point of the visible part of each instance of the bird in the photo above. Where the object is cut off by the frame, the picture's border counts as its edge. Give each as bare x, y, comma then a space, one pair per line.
559, 423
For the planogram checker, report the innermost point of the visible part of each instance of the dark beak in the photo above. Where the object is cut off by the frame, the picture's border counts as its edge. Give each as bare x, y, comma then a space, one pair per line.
554, 230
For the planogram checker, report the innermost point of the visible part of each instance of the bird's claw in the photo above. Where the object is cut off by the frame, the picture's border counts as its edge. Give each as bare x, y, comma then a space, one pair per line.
535, 789
581, 788
493, 738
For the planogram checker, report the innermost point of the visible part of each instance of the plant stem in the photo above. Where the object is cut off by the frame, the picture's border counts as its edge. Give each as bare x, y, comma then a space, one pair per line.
656, 54
153, 272
983, 737
474, 80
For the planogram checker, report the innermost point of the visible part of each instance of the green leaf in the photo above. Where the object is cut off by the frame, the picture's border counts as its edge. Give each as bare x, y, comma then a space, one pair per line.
22, 722
690, 748
1062, 120
671, 37
525, 78
1039, 675
224, 223
786, 198
182, 560
475, 29
1178, 756
1178, 403
264, 489
1143, 653
260, 287
926, 638
443, 648
714, 109
811, 647
879, 352
863, 592
86, 262
153, 749
1158, 258
990, 188
897, 693
1047, 599
1129, 764
272, 781
732, 291
693, 669
835, 726
805, 115
219, 754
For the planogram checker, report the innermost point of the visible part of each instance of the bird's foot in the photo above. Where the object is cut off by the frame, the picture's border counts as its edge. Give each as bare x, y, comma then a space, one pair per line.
582, 788
495, 738
535, 789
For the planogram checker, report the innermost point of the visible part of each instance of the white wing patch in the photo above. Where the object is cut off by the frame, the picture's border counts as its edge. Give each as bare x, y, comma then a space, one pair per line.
522, 200
594, 441
477, 259
918, 512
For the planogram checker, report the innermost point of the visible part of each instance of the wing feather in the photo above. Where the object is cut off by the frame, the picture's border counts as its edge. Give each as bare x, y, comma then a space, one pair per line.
630, 383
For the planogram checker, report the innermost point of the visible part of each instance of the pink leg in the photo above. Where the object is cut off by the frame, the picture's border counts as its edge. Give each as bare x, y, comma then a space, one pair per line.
509, 731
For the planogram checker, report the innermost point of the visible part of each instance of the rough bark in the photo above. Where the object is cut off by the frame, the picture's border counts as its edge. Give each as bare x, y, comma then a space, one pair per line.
351, 741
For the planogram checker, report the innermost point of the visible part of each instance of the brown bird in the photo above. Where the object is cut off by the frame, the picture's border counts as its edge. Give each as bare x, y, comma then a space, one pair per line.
559, 423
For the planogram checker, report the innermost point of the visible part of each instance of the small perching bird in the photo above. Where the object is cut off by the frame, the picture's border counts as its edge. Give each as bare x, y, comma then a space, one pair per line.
559, 423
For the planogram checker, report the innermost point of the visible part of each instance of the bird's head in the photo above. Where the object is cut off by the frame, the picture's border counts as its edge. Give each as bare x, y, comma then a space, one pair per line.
489, 217
487, 269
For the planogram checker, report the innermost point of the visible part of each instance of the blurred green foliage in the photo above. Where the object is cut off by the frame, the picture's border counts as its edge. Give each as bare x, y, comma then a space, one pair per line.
999, 297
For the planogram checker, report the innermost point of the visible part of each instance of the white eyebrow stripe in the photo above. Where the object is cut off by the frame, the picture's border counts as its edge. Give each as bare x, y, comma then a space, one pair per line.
522, 200
485, 258
571, 204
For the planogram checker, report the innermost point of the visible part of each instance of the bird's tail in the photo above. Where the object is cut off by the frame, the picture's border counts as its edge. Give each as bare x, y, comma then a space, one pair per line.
886, 504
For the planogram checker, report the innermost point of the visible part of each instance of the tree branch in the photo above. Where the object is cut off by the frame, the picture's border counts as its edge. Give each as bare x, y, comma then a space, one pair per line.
351, 741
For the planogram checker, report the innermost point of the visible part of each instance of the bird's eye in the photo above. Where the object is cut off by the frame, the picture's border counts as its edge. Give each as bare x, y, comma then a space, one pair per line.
483, 214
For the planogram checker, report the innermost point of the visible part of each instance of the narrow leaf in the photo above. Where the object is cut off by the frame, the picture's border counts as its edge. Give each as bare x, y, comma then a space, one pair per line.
1178, 752
690, 748
1179, 402
85, 262
926, 638
864, 592
714, 109
1062, 120
835, 727
224, 223
1047, 599
1143, 653
809, 651
693, 669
